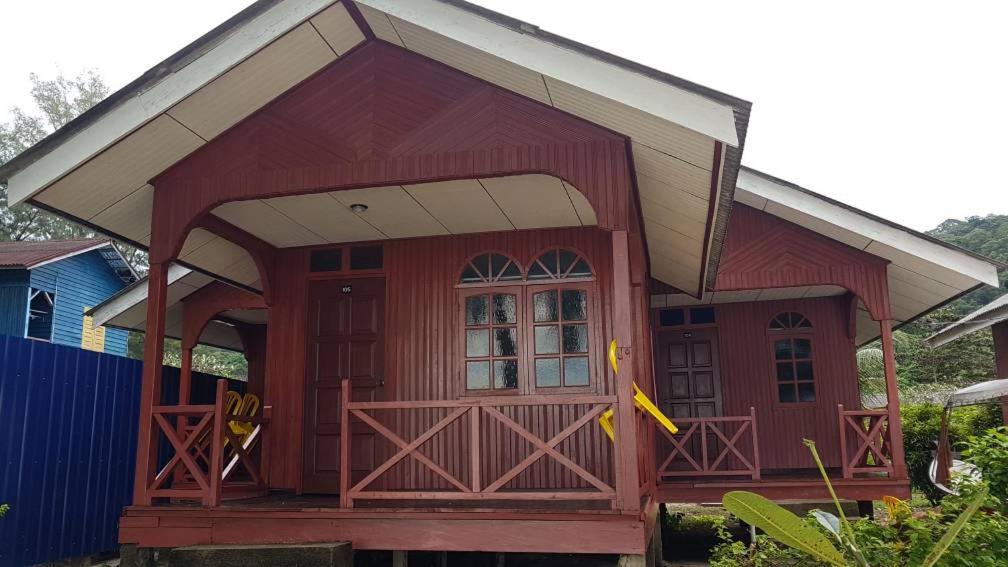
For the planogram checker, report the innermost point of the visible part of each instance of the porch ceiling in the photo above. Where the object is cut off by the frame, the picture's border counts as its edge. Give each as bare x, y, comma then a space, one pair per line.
429, 209
97, 169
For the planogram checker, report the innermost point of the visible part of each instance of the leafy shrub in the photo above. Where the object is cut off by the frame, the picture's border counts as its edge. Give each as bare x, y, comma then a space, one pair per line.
989, 452
921, 426
3, 510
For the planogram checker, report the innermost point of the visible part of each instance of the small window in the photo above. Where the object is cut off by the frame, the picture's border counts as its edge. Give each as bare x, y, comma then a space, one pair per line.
560, 330
490, 268
792, 356
701, 315
40, 315
329, 260
672, 317
491, 341
557, 264
366, 257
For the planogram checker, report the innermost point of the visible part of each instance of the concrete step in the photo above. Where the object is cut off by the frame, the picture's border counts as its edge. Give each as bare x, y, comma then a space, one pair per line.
337, 554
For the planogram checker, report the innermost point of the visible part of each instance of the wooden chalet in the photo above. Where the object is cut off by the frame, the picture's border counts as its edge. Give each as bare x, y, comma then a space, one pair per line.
424, 222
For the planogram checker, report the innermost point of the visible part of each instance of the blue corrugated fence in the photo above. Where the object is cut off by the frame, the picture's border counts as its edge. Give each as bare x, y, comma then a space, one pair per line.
68, 423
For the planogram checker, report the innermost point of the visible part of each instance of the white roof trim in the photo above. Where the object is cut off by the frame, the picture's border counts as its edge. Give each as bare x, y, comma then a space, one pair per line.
903, 240
145, 106
991, 314
132, 296
605, 79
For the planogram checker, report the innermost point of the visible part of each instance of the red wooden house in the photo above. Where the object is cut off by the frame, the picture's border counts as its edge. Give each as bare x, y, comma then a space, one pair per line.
423, 222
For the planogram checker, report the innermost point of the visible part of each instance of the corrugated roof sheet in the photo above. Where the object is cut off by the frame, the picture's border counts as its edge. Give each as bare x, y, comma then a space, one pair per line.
29, 253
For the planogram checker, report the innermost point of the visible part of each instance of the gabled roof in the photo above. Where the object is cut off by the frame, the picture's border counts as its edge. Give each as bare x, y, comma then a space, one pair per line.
96, 169
924, 273
991, 314
31, 254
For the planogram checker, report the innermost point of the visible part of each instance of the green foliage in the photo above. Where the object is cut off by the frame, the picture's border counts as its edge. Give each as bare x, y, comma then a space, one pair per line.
921, 427
206, 359
989, 452
782, 525
983, 235
3, 510
678, 522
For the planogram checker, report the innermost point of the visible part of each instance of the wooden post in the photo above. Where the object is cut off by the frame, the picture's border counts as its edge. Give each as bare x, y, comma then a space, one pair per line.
185, 376
843, 441
755, 444
892, 395
217, 448
474, 447
627, 483
150, 389
344, 479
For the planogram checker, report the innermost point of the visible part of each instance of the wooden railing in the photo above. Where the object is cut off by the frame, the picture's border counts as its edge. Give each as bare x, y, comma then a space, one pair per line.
208, 453
479, 427
710, 446
867, 433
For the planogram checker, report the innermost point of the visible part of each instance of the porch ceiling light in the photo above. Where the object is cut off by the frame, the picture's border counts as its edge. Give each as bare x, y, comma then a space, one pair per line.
358, 208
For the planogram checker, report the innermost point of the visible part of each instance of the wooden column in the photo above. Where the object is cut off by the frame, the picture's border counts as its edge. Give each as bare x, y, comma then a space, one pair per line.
185, 376
892, 395
627, 485
150, 389
1000, 332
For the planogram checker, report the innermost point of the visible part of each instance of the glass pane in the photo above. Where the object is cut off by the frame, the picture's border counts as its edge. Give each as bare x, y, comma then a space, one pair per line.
505, 374
327, 260
575, 305
545, 306
505, 341
511, 273
804, 324
580, 270
575, 338
576, 371
806, 392
802, 348
701, 316
785, 371
776, 325
505, 309
547, 340
536, 272
497, 263
478, 375
547, 372
366, 257
549, 261
470, 275
478, 343
782, 349
566, 259
803, 370
476, 310
672, 317
786, 393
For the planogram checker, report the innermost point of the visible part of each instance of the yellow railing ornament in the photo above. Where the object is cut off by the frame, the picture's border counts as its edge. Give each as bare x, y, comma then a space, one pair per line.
641, 401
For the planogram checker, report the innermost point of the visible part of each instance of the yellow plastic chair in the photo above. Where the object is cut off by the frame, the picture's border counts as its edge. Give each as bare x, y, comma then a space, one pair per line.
641, 402
248, 407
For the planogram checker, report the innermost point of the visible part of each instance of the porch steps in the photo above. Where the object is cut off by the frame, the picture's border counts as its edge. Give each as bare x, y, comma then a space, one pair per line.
338, 554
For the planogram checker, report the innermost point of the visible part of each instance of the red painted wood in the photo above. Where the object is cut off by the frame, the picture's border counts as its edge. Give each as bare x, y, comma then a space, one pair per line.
892, 397
627, 479
262, 253
748, 379
1000, 333
206, 303
785, 489
150, 390
384, 116
762, 251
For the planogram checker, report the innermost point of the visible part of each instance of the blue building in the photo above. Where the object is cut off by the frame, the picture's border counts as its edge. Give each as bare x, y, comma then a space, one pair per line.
47, 286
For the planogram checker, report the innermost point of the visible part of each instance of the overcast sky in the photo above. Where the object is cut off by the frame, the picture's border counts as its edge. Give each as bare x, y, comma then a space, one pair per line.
893, 107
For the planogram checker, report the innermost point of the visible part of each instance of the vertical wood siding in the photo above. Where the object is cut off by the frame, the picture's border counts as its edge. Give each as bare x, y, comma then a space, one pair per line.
748, 378
422, 362
13, 302
80, 281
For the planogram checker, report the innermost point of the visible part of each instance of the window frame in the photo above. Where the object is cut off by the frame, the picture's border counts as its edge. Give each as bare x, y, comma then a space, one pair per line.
790, 334
560, 285
463, 359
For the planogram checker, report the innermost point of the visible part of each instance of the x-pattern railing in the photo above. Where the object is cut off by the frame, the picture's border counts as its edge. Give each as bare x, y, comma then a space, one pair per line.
720, 452
475, 412
872, 449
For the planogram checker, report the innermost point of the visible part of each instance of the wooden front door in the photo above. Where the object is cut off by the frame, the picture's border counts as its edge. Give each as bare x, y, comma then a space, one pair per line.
687, 375
345, 342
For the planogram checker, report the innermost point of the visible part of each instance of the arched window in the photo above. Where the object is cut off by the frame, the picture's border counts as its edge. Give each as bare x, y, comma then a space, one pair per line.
791, 348
558, 264
490, 268
527, 333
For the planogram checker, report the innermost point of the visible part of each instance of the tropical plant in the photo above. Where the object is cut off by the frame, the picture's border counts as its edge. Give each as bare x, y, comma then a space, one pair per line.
3, 510
989, 452
790, 530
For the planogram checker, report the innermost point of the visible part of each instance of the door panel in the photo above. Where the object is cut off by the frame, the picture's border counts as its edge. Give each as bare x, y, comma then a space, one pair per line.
345, 342
689, 384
